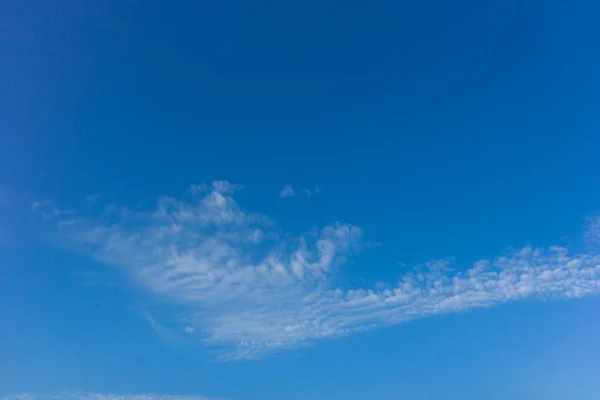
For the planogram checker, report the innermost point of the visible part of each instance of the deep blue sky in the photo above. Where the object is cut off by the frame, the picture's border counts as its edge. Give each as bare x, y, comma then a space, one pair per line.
440, 128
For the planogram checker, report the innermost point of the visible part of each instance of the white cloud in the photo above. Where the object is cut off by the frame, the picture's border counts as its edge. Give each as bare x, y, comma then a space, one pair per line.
310, 193
287, 191
48, 211
258, 293
73, 395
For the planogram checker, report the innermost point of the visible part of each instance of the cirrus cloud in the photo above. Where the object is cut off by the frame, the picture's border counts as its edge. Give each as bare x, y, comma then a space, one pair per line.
287, 191
246, 286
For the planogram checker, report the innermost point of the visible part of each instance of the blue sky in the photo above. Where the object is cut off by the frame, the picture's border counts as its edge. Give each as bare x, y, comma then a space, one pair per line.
299, 200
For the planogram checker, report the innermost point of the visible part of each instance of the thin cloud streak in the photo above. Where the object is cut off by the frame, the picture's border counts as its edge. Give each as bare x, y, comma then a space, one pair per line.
252, 291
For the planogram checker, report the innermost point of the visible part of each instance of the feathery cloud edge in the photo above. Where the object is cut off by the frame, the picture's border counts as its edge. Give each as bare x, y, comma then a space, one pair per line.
253, 291
287, 191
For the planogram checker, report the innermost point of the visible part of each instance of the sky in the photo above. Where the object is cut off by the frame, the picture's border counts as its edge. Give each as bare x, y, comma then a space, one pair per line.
265, 200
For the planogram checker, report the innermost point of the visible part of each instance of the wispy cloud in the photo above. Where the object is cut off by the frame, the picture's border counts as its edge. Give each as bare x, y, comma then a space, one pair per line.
253, 290
310, 193
287, 191
47, 210
74, 395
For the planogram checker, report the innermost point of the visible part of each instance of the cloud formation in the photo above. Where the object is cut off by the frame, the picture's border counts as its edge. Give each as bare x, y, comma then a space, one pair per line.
310, 193
287, 191
248, 287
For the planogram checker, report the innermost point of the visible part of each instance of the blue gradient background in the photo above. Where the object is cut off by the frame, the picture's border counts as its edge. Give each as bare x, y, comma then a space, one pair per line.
444, 128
